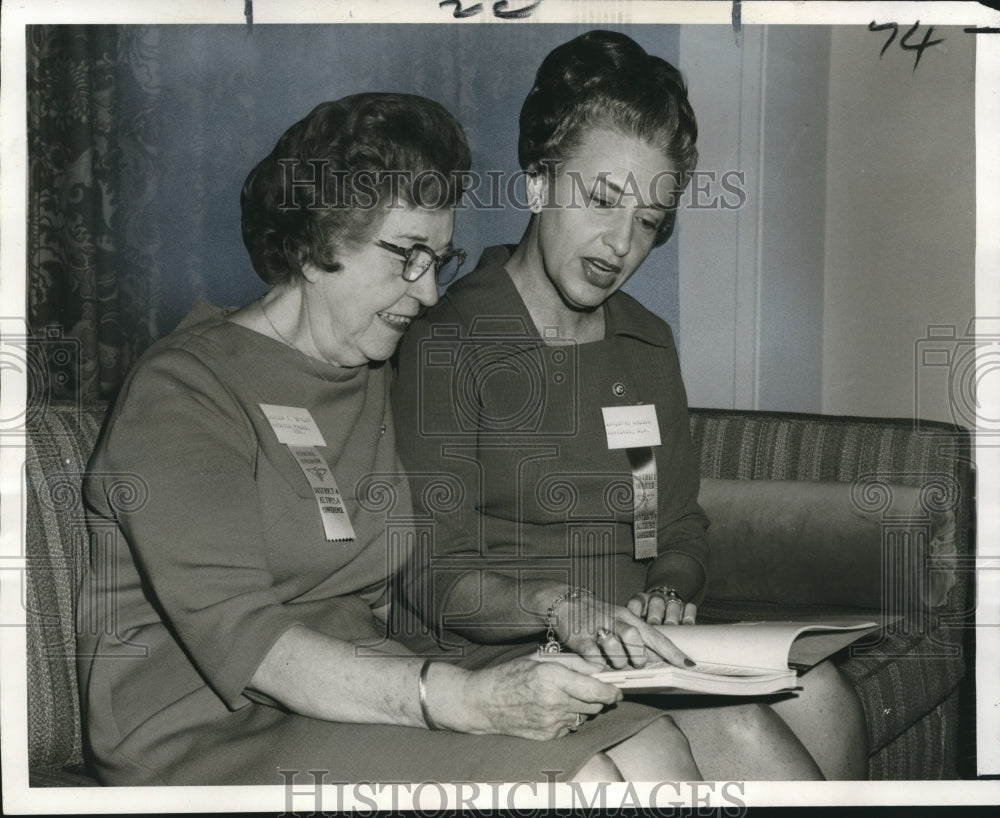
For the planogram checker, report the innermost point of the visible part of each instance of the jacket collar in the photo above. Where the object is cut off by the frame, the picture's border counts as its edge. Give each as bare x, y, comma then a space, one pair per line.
496, 294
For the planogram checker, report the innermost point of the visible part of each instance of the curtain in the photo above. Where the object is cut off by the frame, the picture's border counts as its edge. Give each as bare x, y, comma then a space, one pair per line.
93, 277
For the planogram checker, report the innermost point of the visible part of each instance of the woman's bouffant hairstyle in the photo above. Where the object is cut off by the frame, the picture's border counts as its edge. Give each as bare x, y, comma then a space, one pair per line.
328, 180
605, 79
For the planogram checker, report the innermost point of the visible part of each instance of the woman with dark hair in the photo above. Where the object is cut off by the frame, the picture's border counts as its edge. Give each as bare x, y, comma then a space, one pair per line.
233, 615
556, 401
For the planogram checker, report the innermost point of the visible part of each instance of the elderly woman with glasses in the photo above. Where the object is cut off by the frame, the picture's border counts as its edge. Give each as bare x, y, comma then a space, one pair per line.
233, 617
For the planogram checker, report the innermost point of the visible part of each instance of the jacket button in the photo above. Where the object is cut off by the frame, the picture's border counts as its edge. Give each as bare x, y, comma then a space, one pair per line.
619, 389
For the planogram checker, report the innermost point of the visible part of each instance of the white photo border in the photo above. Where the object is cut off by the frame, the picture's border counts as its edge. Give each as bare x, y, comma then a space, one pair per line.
19, 798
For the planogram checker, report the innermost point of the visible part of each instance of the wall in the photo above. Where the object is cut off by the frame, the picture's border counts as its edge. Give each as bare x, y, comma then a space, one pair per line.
857, 231
226, 97
793, 176
751, 279
855, 234
900, 222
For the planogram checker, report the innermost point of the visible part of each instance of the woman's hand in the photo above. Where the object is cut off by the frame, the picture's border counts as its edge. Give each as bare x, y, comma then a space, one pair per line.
527, 698
604, 633
659, 609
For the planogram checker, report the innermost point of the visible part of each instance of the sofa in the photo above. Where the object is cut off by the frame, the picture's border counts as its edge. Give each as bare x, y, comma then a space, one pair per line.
811, 515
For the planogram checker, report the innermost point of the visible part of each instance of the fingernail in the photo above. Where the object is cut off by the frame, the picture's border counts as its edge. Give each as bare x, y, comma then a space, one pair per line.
688, 662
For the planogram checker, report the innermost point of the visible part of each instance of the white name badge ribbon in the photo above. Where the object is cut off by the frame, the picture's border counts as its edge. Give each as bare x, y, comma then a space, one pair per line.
636, 428
295, 427
644, 502
333, 512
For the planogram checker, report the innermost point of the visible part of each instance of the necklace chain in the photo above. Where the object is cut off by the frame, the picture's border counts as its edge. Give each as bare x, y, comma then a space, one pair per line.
309, 358
326, 376
260, 303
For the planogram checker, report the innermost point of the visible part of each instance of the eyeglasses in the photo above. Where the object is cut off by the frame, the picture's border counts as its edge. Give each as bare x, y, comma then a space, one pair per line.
419, 258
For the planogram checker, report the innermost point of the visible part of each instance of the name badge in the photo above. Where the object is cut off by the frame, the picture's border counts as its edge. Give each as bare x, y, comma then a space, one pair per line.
631, 427
332, 511
636, 428
644, 491
293, 425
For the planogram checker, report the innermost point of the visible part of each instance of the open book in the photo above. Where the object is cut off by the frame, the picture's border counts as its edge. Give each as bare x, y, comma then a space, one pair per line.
741, 659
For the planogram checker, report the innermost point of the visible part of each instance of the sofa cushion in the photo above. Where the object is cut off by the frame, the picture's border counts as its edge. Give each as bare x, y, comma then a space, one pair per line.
75, 775
787, 549
927, 751
801, 542
901, 675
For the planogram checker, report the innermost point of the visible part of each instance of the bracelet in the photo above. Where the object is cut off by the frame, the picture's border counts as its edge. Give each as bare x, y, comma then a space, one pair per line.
422, 695
551, 642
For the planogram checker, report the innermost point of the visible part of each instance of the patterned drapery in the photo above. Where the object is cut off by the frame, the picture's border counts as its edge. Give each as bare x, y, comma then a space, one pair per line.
93, 279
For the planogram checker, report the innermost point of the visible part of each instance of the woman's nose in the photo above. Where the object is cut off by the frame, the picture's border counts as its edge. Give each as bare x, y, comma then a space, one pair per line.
425, 289
619, 233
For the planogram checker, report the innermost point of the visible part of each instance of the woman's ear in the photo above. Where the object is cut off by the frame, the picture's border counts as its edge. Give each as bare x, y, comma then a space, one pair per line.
310, 272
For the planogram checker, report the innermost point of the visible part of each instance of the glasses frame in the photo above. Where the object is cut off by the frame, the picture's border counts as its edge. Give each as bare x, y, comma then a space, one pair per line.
406, 253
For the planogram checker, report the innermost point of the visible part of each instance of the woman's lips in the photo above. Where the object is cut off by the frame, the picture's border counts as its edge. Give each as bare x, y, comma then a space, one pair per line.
397, 322
600, 273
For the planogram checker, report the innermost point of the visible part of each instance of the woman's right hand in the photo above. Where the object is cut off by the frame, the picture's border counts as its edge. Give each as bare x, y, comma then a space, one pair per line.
528, 699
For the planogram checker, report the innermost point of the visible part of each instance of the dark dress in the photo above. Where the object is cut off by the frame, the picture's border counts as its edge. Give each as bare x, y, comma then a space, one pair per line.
207, 545
503, 434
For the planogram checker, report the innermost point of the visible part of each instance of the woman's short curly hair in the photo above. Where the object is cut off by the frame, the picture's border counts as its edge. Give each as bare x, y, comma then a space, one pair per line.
328, 180
605, 79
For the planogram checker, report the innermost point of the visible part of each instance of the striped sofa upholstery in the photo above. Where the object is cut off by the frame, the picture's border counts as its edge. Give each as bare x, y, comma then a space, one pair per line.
911, 690
61, 437
911, 681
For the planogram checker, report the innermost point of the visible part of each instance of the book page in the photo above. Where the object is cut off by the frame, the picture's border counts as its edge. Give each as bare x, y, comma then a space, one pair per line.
669, 680
762, 645
812, 647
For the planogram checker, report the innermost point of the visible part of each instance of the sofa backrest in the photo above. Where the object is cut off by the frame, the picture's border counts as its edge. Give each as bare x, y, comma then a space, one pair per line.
61, 437
909, 479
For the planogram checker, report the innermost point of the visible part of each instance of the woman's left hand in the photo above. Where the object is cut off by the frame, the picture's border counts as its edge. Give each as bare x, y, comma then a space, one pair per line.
604, 633
659, 609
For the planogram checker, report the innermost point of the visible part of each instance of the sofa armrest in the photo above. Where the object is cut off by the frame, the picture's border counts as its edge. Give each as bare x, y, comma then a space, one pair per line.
862, 545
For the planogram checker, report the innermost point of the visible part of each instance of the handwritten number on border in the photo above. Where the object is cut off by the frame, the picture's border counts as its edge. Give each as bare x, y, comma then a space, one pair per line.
873, 26
501, 9
904, 41
459, 12
927, 42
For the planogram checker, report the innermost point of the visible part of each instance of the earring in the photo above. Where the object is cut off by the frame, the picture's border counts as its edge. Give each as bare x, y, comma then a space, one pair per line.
534, 191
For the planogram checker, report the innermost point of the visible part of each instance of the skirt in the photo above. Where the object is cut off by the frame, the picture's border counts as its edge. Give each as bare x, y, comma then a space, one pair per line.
197, 740
204, 743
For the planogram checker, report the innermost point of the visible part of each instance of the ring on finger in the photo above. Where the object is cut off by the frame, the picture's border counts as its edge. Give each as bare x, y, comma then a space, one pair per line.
669, 595
602, 633
580, 719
